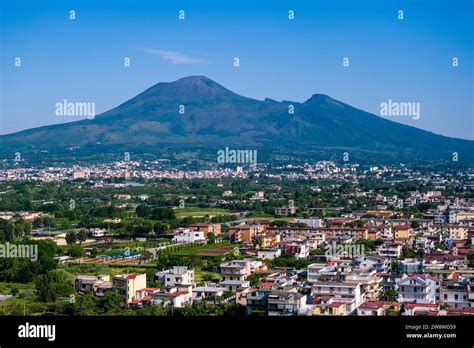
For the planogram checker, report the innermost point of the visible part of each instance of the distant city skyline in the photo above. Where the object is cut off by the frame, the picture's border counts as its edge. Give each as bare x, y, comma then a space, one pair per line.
407, 60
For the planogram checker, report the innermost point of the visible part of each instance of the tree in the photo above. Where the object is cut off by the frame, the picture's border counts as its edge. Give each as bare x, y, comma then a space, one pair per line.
111, 302
254, 279
85, 305
391, 312
211, 237
257, 241
154, 310
52, 285
71, 237
6, 231
389, 295
75, 251
81, 236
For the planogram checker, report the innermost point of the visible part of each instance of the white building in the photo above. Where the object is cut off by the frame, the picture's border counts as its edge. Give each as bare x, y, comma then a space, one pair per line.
311, 223
418, 288
185, 235
179, 276
268, 254
393, 250
208, 290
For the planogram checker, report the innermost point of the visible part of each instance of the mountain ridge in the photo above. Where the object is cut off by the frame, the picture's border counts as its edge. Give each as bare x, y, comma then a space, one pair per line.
196, 110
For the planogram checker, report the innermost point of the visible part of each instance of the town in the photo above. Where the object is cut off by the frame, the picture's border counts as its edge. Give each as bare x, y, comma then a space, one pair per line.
322, 239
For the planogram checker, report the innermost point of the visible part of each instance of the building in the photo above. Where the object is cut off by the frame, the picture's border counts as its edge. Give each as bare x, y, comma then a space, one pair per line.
348, 292
285, 211
96, 285
257, 301
96, 232
402, 231
285, 303
179, 276
410, 266
207, 228
174, 298
185, 235
328, 305
390, 249
376, 308
233, 274
418, 288
455, 293
311, 223
128, 284
208, 290
297, 249
245, 233
268, 254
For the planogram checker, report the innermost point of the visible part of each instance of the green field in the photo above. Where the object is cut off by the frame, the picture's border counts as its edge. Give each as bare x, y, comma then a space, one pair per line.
199, 212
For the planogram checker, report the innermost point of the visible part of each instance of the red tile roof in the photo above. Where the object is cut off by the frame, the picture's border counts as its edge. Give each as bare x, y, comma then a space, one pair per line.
422, 305
172, 294
377, 304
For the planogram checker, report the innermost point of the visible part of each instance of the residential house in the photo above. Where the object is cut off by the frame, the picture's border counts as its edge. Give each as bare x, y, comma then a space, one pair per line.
127, 285
418, 288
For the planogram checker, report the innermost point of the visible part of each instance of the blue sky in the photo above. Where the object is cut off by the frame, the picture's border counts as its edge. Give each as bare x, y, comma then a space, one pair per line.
405, 60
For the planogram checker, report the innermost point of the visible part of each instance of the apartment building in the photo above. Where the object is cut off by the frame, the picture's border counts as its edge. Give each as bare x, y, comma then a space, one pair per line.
348, 292
285, 211
402, 232
268, 254
244, 233
418, 288
390, 249
455, 293
185, 235
207, 228
410, 266
234, 273
179, 276
128, 284
285, 303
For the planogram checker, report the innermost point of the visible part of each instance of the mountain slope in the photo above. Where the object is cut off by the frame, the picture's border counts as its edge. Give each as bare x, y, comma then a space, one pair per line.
215, 116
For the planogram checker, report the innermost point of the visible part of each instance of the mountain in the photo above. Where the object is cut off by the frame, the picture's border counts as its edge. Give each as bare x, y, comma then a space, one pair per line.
215, 117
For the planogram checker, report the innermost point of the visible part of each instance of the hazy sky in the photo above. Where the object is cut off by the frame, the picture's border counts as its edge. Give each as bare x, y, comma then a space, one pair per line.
407, 60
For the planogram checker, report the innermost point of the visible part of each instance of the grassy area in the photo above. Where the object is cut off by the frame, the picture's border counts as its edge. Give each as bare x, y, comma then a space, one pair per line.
139, 244
199, 249
72, 270
199, 212
5, 287
203, 276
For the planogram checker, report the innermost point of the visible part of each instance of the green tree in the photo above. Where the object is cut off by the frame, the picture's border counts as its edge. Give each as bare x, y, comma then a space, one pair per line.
81, 236
389, 295
85, 305
75, 251
211, 238
111, 302
254, 279
52, 285
71, 237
